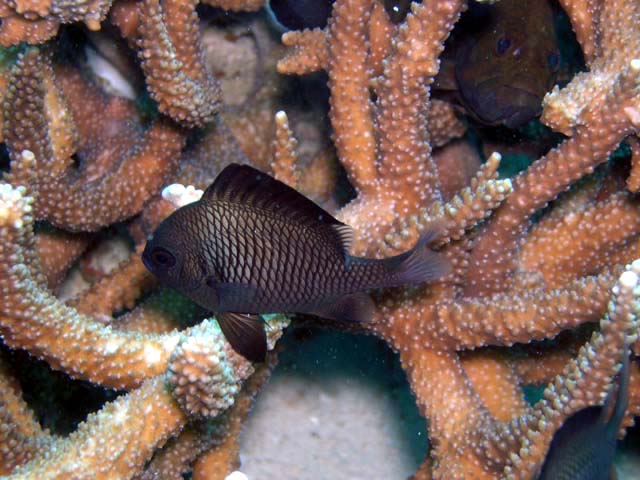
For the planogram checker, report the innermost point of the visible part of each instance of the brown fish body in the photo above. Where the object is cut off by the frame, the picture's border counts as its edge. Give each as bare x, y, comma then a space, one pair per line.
253, 245
263, 263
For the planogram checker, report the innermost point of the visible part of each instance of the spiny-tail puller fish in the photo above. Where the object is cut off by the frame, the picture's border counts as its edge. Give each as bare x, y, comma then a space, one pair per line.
253, 245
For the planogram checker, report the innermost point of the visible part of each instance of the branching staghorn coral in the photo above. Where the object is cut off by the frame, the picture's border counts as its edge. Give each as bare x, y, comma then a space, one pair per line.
474, 309
35, 22
31, 314
103, 192
512, 280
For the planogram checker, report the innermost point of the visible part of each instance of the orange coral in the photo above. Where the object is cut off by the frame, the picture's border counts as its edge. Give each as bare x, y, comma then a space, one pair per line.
491, 303
511, 280
171, 57
110, 191
38, 21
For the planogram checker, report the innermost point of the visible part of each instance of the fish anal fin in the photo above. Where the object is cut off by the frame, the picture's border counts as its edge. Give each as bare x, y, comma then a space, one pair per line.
354, 307
245, 334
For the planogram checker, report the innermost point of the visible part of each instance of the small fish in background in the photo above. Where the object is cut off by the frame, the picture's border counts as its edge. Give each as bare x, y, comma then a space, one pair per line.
584, 447
501, 60
498, 64
253, 245
398, 9
299, 14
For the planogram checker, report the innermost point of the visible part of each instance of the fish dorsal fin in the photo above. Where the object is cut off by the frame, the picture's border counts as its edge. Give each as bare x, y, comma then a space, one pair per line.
345, 234
242, 184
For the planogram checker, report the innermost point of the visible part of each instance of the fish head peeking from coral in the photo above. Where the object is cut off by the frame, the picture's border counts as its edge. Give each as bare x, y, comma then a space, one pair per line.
501, 61
301, 14
253, 245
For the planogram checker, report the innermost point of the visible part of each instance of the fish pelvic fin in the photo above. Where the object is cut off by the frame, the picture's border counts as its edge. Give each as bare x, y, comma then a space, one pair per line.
353, 307
418, 265
245, 334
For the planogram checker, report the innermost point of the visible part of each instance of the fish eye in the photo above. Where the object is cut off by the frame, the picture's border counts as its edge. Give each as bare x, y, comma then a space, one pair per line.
502, 45
163, 257
553, 60
211, 282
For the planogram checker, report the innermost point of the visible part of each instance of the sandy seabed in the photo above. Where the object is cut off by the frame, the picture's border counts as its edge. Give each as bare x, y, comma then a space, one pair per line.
337, 406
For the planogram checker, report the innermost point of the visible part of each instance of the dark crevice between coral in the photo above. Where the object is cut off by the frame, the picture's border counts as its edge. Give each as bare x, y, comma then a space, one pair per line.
59, 402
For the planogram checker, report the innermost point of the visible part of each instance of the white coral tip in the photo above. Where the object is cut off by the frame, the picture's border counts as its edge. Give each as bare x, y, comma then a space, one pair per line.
179, 195
27, 154
236, 476
628, 279
281, 116
495, 156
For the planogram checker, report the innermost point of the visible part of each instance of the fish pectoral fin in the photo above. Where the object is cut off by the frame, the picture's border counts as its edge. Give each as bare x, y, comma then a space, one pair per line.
245, 334
354, 307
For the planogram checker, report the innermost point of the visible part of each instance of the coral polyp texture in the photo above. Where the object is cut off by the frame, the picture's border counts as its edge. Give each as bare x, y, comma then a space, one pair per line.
552, 250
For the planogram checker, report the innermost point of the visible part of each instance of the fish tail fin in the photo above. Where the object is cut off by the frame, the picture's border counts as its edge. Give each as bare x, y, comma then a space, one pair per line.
621, 397
420, 264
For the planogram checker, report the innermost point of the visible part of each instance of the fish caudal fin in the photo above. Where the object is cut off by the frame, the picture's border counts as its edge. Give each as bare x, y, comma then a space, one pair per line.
621, 398
245, 334
418, 265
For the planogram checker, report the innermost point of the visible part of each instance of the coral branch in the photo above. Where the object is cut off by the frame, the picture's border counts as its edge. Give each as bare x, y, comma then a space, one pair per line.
351, 107
115, 442
586, 379
21, 437
171, 57
527, 261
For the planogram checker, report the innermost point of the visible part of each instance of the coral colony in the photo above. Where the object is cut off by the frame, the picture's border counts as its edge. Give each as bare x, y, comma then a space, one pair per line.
547, 251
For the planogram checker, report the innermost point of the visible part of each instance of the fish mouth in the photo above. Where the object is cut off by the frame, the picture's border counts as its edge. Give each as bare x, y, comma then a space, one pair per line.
507, 105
